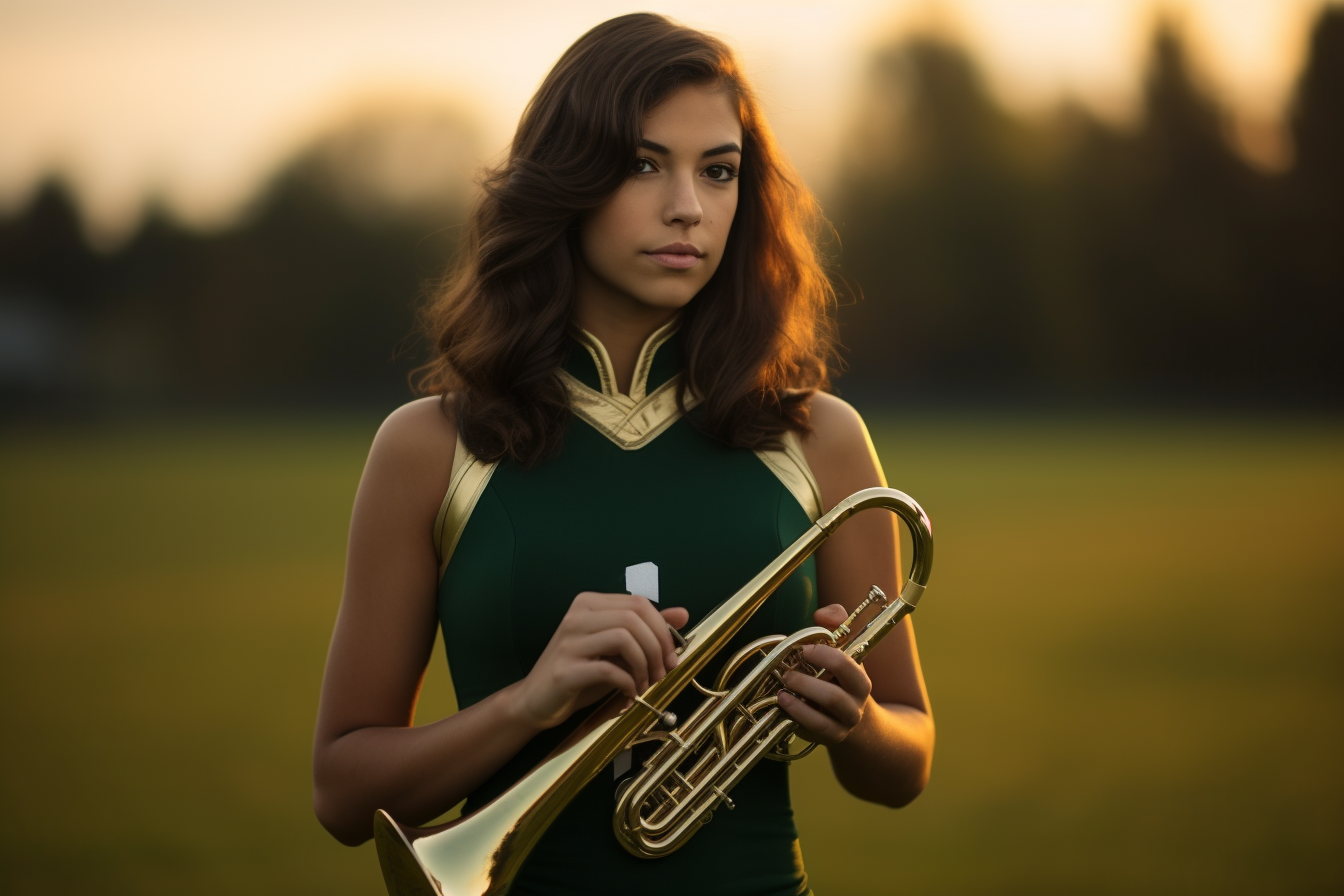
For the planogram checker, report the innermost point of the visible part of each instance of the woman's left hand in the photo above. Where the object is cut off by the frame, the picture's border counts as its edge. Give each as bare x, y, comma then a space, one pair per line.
828, 709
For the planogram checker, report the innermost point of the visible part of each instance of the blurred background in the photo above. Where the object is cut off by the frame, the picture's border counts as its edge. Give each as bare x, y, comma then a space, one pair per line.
1091, 255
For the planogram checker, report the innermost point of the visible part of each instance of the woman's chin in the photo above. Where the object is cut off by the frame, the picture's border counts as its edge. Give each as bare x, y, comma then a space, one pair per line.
663, 300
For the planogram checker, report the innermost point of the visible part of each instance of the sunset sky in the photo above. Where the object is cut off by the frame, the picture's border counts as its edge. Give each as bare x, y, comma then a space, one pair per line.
195, 101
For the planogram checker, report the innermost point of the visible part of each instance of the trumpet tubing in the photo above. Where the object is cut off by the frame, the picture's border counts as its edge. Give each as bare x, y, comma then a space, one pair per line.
690, 775
696, 763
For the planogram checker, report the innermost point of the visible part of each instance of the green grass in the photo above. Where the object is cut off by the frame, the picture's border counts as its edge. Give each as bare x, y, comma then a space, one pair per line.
1132, 640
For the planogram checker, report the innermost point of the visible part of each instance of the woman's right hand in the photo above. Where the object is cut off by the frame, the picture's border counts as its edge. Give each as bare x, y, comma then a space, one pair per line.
605, 642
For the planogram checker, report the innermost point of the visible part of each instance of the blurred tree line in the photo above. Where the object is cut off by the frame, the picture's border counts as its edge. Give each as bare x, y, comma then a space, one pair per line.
994, 258
1063, 259
310, 297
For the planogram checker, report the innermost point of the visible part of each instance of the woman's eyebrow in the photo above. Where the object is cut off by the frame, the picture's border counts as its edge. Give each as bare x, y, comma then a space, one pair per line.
721, 150
716, 151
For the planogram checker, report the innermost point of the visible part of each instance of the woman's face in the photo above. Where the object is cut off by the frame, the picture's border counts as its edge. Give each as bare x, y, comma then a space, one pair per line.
661, 236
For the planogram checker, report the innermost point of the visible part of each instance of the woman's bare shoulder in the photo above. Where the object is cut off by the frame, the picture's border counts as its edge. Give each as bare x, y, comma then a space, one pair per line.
412, 454
419, 426
839, 450
838, 432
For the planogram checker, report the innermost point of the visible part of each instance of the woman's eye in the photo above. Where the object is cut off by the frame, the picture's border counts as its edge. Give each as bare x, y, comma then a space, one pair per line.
721, 173
642, 166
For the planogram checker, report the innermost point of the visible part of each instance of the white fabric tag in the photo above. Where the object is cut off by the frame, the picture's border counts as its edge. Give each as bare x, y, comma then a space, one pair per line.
642, 578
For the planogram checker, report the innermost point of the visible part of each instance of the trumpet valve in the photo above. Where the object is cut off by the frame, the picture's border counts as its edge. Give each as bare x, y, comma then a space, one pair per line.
677, 636
875, 595
667, 718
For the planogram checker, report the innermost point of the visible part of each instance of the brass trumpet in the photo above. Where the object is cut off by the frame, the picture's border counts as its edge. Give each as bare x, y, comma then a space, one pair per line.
697, 762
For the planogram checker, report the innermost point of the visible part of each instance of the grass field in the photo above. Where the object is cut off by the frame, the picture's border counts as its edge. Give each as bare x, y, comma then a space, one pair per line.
1134, 640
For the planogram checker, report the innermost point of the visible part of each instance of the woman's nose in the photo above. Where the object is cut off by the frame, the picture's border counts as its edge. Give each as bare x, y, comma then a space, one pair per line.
682, 203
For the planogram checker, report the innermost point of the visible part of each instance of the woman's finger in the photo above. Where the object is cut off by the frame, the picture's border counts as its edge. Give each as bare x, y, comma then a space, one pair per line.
830, 616
654, 620
615, 642
597, 672
592, 605
826, 696
631, 621
677, 617
652, 638
848, 674
817, 726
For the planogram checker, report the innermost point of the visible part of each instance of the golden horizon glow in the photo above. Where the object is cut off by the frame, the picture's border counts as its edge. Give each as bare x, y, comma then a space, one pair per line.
194, 106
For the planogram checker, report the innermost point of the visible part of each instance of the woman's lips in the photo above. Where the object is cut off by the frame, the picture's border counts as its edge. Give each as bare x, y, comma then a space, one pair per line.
678, 260
676, 255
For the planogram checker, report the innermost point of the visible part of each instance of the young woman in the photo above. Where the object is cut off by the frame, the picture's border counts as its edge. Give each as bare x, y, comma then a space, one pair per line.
625, 423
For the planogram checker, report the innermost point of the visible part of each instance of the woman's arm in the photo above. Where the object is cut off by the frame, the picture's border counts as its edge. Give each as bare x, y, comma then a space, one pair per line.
880, 743
366, 754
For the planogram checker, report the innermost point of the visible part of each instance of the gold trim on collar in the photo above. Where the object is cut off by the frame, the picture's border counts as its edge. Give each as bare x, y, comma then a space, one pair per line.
639, 382
630, 424
790, 465
606, 370
466, 482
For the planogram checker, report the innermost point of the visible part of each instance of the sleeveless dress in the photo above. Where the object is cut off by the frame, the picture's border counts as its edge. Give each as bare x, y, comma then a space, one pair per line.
638, 501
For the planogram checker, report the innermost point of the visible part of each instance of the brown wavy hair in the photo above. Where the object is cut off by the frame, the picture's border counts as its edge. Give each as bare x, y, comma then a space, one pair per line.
758, 337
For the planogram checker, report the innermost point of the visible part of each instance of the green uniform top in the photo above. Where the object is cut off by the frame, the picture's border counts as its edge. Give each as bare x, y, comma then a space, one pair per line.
635, 484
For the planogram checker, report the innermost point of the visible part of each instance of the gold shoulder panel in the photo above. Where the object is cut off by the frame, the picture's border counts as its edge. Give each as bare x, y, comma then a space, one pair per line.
789, 464
465, 484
